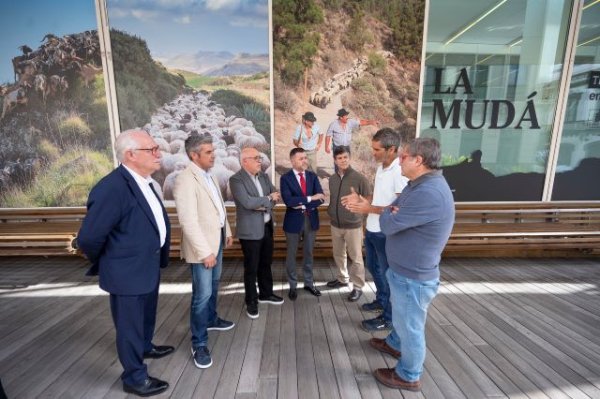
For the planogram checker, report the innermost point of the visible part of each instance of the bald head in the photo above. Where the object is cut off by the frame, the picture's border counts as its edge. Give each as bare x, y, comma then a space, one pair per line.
251, 160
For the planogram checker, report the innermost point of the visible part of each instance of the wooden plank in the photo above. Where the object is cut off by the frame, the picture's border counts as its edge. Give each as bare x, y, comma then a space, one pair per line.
518, 344
305, 360
288, 380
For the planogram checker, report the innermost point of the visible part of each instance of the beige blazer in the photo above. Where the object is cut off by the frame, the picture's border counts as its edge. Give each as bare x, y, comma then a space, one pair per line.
198, 215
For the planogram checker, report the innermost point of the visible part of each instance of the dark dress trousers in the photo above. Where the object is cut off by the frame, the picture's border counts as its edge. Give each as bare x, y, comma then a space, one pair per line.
119, 235
299, 222
256, 236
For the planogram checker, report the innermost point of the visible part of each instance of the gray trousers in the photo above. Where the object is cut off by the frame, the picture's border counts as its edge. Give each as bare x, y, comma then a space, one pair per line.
292, 247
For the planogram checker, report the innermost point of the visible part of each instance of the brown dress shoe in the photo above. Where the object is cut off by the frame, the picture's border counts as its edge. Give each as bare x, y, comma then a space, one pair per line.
382, 346
388, 377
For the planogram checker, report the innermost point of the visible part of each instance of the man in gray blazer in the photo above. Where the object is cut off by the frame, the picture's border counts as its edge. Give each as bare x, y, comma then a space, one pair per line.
254, 197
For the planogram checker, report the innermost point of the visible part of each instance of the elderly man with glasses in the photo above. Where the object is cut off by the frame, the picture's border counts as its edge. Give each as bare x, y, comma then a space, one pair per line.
126, 236
254, 197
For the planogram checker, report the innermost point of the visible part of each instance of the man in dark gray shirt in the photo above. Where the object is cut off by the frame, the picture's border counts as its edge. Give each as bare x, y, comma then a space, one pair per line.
417, 226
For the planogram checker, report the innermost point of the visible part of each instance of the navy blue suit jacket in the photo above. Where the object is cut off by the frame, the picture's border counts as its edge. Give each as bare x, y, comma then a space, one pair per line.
292, 196
120, 237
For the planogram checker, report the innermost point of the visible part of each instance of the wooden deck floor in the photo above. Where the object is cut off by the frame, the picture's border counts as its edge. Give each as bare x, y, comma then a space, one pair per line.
499, 328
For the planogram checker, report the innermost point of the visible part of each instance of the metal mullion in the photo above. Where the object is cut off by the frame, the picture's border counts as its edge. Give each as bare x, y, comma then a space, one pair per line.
423, 67
563, 96
108, 71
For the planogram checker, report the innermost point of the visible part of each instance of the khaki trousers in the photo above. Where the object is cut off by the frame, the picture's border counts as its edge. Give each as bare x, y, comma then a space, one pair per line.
347, 254
312, 160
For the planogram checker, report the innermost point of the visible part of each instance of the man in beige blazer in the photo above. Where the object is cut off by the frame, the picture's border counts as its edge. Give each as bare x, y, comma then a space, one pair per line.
205, 231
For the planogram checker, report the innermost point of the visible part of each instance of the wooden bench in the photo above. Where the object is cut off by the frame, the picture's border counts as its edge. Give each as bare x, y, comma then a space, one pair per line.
504, 229
39, 231
526, 229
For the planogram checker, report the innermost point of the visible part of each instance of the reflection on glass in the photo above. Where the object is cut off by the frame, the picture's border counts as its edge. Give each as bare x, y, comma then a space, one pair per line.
491, 87
578, 163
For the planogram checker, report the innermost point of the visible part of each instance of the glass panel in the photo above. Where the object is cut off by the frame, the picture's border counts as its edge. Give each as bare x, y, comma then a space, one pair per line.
491, 87
578, 164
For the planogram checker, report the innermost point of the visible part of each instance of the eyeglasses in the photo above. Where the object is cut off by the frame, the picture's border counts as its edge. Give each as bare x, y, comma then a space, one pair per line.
154, 150
257, 158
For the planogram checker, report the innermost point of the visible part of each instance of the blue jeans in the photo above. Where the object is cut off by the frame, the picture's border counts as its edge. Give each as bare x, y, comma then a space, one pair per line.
378, 265
205, 286
410, 300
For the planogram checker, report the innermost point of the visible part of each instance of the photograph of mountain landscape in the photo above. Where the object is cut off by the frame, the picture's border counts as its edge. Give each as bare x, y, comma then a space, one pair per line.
189, 67
360, 55
54, 131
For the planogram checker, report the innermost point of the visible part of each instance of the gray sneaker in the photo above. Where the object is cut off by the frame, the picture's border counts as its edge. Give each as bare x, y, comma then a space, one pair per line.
202, 358
221, 325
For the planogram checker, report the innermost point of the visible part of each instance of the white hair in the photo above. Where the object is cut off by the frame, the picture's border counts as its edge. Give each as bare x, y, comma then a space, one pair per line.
126, 141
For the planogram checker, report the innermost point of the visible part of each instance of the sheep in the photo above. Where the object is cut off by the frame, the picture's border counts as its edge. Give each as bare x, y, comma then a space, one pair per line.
170, 162
177, 147
88, 73
169, 184
222, 174
11, 99
57, 83
250, 141
162, 144
266, 162
232, 163
40, 84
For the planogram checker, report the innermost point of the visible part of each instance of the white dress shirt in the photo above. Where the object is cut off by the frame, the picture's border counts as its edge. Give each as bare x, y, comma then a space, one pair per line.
297, 174
144, 185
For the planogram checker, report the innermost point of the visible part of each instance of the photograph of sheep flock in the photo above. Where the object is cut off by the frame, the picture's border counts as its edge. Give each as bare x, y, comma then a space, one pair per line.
54, 130
360, 55
187, 67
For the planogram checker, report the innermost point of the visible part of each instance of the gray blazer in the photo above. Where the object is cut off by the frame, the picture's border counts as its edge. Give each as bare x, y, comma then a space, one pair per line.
249, 206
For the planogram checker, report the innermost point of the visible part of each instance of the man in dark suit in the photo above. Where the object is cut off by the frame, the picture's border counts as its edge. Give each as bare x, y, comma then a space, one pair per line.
126, 235
302, 194
254, 197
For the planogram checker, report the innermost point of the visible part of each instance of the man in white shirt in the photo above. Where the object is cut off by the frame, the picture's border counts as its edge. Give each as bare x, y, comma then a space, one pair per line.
126, 236
205, 233
389, 183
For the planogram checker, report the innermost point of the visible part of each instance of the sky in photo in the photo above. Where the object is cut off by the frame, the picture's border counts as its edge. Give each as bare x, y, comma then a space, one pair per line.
175, 27
28, 21
170, 27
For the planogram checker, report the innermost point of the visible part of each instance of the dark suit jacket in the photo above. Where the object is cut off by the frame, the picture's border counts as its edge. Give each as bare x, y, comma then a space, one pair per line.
120, 237
250, 207
292, 196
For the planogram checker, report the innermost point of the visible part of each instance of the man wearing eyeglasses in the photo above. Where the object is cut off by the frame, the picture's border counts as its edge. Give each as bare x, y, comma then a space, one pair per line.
254, 197
417, 226
126, 236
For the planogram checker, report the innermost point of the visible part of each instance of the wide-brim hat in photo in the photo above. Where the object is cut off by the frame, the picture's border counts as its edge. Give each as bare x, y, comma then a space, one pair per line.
309, 116
342, 112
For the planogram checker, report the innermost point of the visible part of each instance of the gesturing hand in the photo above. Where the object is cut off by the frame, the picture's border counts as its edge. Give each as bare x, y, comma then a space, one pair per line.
353, 197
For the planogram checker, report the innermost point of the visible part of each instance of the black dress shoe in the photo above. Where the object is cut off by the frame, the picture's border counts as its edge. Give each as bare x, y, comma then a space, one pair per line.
354, 295
313, 291
158, 351
336, 284
292, 294
152, 386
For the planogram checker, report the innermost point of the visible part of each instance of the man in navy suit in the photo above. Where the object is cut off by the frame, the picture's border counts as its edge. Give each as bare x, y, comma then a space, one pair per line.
302, 194
126, 235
